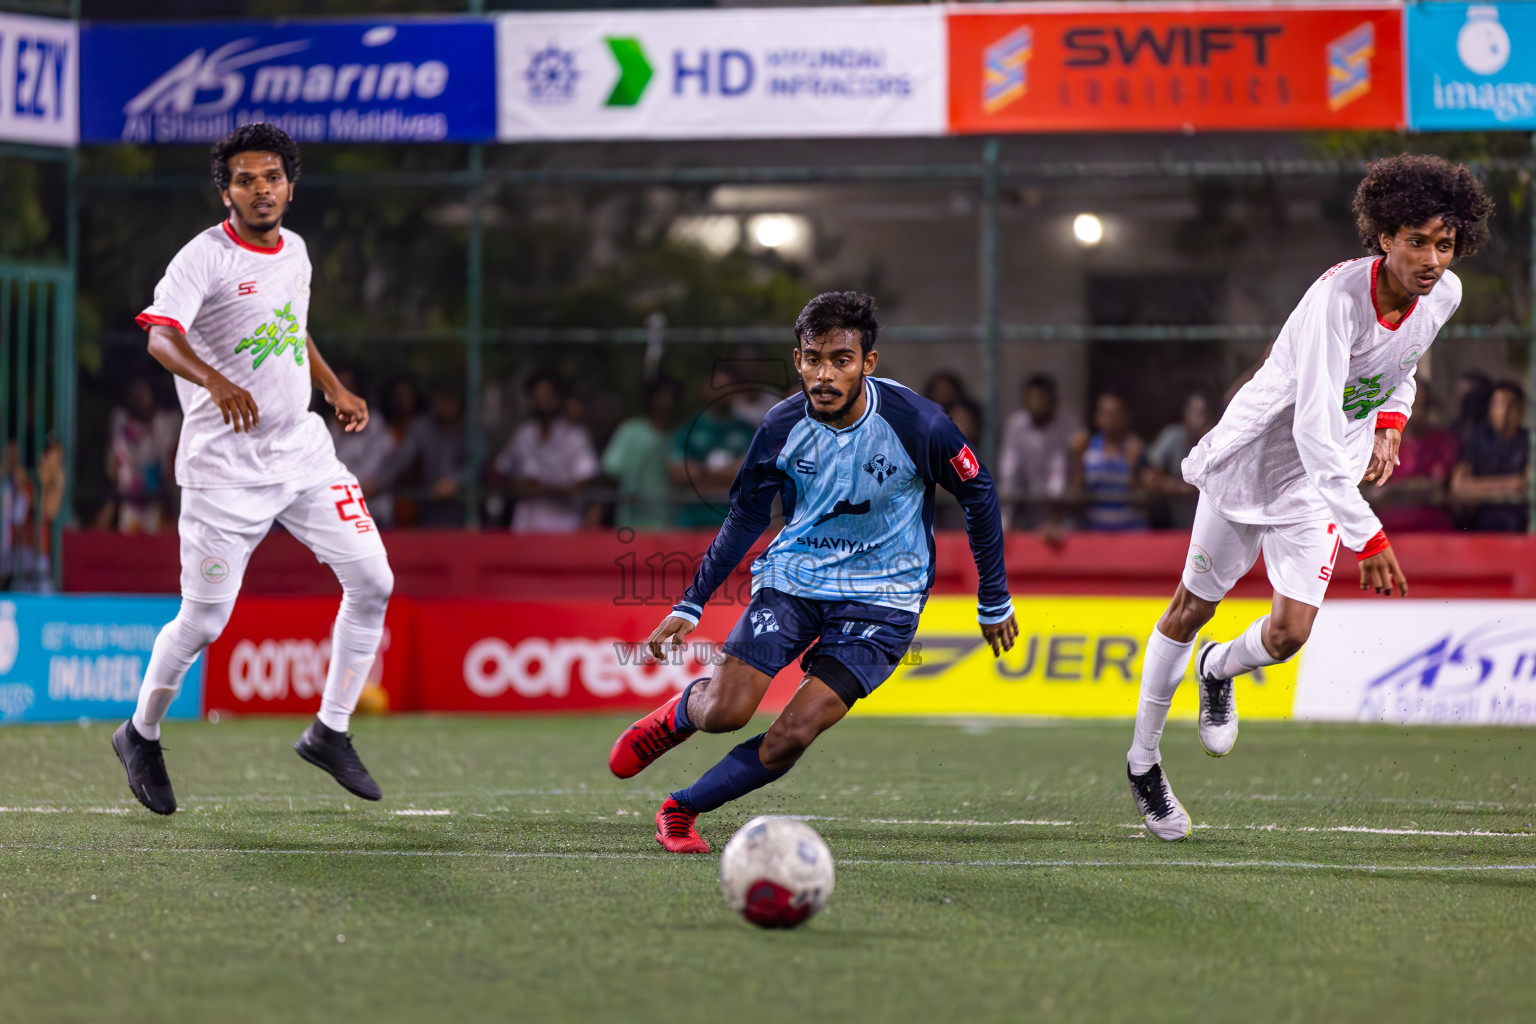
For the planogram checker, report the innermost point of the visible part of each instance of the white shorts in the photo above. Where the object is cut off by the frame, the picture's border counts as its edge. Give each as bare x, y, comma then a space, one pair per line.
1298, 556
221, 527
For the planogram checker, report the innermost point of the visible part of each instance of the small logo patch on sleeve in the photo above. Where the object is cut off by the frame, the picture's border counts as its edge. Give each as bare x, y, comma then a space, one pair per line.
965, 463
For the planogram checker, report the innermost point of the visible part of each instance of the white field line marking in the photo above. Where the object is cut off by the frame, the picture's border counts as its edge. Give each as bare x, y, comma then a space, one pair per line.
1284, 865
410, 812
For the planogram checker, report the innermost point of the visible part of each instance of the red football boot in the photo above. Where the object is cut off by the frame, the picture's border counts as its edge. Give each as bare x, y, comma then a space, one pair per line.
646, 740
675, 831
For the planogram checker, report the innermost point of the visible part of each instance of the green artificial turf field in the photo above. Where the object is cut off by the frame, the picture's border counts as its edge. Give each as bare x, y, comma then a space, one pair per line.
986, 872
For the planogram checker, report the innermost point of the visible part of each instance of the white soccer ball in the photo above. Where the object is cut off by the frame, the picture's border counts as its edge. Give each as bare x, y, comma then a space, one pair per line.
776, 872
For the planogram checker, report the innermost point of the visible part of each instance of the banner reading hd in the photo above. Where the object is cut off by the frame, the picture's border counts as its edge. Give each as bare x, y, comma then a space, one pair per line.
819, 72
411, 80
1472, 66
39, 80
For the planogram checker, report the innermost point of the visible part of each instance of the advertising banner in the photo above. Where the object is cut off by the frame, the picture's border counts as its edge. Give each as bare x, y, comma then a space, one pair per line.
1098, 67
825, 72
67, 658
561, 656
407, 80
1472, 66
1421, 662
1076, 657
273, 656
39, 80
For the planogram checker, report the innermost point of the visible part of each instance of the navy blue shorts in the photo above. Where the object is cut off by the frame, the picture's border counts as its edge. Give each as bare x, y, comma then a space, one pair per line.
866, 641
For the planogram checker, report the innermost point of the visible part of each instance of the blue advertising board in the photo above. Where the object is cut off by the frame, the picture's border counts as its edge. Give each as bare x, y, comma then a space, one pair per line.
63, 658
1471, 67
411, 80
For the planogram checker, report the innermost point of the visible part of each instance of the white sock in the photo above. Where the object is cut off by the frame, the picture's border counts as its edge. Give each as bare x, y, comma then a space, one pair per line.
365, 590
1243, 654
1161, 672
195, 626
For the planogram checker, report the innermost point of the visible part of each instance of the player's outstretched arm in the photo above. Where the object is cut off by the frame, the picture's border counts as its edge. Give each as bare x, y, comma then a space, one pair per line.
351, 411
673, 628
172, 351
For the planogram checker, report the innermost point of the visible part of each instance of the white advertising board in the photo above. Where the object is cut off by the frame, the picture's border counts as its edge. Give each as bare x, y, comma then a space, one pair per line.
1421, 662
773, 73
39, 80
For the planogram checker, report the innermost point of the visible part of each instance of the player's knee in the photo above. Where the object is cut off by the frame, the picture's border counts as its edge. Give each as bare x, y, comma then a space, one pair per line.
785, 742
722, 711
1284, 640
198, 625
367, 585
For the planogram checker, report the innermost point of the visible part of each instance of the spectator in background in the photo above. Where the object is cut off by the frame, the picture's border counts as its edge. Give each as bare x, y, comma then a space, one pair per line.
1494, 468
365, 451
548, 460
30, 502
1173, 500
1473, 391
1034, 464
946, 389
1106, 466
1414, 499
139, 458
967, 416
706, 453
636, 458
400, 408
436, 451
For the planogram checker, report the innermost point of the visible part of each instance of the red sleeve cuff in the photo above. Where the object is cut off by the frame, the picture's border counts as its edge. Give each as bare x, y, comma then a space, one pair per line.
1375, 546
148, 320
1391, 420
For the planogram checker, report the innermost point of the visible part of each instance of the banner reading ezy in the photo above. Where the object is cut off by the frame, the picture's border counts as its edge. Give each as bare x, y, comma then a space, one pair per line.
411, 80
1175, 67
822, 72
39, 80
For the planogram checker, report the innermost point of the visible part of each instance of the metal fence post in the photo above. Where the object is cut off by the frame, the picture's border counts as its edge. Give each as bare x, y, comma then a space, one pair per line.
989, 306
474, 334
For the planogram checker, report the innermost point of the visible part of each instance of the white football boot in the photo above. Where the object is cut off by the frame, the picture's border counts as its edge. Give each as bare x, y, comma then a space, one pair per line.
1160, 810
1218, 708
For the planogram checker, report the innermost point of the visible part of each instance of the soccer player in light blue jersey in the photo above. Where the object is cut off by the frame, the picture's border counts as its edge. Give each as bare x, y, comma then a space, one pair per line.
854, 460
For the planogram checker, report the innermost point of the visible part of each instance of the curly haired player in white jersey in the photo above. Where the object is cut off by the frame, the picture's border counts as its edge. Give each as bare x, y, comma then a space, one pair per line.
229, 320
1281, 471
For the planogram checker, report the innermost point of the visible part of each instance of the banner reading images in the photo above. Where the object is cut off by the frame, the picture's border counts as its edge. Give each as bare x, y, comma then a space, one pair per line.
1098, 67
1472, 66
411, 80
824, 72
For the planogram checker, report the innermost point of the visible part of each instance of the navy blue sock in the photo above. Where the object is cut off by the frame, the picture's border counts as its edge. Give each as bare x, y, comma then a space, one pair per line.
680, 718
738, 773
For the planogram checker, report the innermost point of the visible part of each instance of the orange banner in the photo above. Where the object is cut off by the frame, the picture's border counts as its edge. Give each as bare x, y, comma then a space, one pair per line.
1167, 67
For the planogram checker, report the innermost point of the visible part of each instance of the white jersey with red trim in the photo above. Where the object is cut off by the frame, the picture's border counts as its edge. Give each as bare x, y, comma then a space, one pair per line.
1297, 438
245, 312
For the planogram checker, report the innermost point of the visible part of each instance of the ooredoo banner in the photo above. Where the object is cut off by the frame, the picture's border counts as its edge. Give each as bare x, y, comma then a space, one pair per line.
273, 656
562, 656
39, 80
1421, 662
395, 80
1099, 67
64, 658
1472, 66
828, 71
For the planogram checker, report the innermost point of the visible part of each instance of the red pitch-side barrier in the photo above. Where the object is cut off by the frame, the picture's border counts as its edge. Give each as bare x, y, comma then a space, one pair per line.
654, 568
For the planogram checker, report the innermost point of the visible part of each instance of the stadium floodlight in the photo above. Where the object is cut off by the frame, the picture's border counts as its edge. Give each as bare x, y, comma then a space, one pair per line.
778, 231
1088, 229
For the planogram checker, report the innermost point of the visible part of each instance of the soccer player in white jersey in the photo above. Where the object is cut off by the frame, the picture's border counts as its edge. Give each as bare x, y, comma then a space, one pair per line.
1281, 472
229, 320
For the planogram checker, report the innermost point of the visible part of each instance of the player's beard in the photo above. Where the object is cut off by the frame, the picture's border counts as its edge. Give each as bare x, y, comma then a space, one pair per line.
264, 222
851, 396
